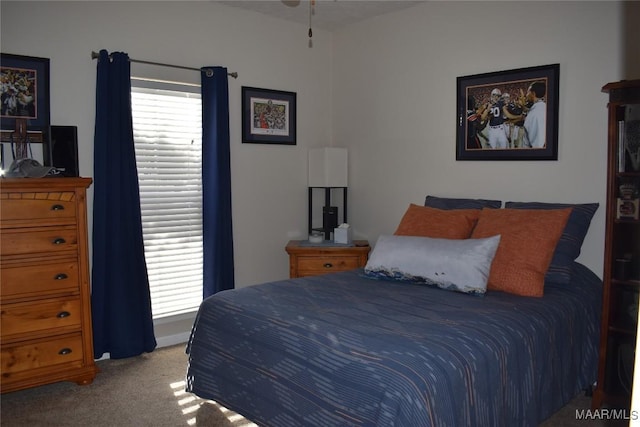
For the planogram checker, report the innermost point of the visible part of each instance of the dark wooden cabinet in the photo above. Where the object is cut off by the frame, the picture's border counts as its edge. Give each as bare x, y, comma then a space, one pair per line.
621, 273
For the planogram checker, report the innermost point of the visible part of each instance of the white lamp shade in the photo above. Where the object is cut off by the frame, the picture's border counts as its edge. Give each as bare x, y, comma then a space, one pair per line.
328, 167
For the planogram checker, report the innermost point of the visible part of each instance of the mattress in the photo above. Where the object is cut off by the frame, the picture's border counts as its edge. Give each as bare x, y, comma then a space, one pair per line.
345, 350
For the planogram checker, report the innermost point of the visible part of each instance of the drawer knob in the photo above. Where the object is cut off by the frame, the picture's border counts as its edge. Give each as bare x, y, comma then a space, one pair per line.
57, 208
328, 265
60, 276
59, 241
64, 351
63, 314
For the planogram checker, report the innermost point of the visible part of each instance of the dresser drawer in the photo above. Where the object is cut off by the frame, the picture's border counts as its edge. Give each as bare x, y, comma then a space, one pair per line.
40, 280
40, 316
30, 206
38, 240
29, 356
312, 265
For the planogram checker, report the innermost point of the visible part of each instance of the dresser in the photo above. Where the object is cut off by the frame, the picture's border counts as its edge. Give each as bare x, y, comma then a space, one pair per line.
315, 260
45, 328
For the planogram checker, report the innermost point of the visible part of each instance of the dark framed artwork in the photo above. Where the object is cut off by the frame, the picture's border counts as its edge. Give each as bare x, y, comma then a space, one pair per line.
508, 115
24, 107
24, 92
268, 116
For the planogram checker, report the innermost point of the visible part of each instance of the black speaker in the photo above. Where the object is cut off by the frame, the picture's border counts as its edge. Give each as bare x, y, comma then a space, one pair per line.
329, 220
64, 149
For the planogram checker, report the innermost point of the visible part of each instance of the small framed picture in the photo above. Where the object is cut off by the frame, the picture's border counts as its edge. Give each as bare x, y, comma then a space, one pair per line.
25, 91
268, 116
24, 109
627, 209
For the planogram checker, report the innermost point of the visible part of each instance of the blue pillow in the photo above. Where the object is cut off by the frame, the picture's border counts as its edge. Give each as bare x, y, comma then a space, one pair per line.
568, 248
449, 203
452, 264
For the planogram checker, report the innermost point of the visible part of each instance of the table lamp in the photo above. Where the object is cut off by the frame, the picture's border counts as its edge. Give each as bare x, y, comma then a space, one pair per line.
327, 170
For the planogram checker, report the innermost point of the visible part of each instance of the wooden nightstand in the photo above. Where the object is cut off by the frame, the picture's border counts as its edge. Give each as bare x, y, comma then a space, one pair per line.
316, 260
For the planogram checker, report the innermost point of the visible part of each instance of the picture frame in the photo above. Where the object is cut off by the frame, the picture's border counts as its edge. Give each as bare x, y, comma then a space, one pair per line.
508, 115
268, 116
628, 209
25, 78
24, 108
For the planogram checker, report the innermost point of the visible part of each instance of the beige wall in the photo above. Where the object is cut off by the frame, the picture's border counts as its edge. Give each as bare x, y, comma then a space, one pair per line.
394, 105
385, 88
269, 182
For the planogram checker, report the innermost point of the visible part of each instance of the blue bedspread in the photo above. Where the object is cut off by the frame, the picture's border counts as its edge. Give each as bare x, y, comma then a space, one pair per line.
342, 349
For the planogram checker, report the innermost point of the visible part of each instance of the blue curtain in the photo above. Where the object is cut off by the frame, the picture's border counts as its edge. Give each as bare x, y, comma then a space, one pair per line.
217, 227
121, 303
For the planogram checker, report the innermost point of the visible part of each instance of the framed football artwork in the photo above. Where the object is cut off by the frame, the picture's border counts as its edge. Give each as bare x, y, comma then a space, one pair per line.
508, 115
24, 109
268, 116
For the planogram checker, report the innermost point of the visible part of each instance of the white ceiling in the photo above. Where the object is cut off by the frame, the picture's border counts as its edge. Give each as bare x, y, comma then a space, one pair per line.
328, 14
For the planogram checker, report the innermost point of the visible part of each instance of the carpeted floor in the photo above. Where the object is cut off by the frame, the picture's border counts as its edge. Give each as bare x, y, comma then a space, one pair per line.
149, 391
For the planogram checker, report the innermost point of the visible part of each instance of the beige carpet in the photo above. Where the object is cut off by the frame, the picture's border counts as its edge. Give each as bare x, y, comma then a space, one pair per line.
149, 391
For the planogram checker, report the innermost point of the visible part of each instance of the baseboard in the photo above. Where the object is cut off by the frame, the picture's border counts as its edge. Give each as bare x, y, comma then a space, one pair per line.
170, 331
170, 340
162, 342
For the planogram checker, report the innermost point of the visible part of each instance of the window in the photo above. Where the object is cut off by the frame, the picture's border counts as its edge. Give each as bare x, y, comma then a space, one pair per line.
167, 132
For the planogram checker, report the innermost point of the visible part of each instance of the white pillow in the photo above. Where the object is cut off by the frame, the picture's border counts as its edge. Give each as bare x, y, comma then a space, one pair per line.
459, 265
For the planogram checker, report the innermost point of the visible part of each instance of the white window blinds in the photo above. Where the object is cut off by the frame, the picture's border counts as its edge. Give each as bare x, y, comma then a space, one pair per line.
167, 132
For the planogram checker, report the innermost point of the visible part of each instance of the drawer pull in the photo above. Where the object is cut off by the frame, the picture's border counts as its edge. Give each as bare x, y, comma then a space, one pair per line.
57, 208
328, 265
63, 314
64, 351
59, 241
60, 276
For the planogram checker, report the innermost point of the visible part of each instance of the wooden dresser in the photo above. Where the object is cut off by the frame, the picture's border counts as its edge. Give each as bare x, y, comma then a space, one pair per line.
45, 328
316, 260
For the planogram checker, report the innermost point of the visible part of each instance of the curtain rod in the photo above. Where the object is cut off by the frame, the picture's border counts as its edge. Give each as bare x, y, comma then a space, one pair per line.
95, 55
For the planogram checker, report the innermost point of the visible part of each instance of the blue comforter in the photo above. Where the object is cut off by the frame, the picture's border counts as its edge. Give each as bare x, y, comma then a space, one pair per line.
345, 350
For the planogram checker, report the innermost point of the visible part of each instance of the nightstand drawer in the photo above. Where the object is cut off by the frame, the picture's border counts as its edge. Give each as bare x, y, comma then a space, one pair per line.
326, 264
308, 260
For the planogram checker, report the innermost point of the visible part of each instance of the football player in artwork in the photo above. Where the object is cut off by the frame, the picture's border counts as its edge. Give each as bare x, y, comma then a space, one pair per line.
514, 121
497, 130
475, 123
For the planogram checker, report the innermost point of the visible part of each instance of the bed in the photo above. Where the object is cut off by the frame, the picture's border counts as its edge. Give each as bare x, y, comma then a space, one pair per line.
359, 349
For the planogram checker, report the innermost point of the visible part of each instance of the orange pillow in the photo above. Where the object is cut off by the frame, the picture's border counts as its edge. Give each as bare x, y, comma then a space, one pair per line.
528, 240
437, 223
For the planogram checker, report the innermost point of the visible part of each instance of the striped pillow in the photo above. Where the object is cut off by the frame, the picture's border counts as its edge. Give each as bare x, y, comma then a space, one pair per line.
451, 203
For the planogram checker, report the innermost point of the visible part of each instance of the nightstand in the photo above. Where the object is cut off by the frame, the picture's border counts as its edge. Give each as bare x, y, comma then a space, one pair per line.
315, 260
